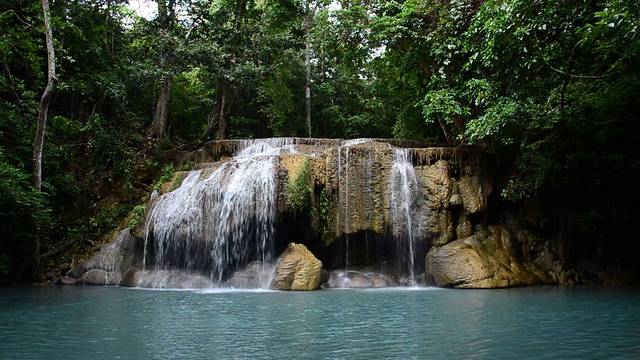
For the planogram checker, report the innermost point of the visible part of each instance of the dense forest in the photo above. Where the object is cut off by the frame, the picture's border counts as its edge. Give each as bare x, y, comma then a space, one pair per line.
550, 88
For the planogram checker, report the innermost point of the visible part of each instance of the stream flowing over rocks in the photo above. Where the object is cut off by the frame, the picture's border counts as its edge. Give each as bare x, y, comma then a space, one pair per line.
300, 214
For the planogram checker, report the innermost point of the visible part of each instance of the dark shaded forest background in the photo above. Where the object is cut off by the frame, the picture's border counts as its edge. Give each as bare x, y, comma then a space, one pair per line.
550, 89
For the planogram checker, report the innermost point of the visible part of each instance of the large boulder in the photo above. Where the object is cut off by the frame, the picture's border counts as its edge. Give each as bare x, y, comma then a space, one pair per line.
492, 260
110, 264
297, 269
460, 265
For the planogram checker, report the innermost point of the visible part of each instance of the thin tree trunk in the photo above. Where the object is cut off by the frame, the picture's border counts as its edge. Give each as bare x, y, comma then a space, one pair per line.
157, 131
217, 120
36, 270
403, 43
308, 23
213, 120
162, 12
307, 89
222, 102
443, 126
161, 116
222, 117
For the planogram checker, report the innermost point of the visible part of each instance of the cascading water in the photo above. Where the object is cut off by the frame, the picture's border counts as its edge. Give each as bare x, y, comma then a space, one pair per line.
347, 229
217, 227
217, 221
406, 207
347, 212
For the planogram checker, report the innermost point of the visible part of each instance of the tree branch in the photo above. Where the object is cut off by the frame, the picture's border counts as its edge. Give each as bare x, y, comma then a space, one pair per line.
575, 76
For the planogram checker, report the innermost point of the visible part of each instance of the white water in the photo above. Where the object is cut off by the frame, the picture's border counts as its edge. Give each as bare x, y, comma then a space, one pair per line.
347, 214
221, 219
353, 142
347, 228
215, 223
406, 206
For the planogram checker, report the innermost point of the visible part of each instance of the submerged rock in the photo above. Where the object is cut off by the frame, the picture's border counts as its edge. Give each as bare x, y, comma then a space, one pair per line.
166, 279
359, 280
297, 269
256, 275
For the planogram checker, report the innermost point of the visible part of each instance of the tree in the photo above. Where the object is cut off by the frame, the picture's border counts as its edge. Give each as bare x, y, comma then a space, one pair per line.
226, 24
42, 122
246, 49
310, 11
168, 44
46, 97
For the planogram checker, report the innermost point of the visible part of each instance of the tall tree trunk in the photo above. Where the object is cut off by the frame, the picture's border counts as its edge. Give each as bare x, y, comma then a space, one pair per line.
166, 15
161, 116
308, 24
213, 120
219, 117
307, 88
36, 269
222, 116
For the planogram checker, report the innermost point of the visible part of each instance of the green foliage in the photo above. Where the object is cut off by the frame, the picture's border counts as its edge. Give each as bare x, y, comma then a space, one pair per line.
167, 174
279, 100
190, 104
187, 167
442, 105
325, 216
106, 220
300, 190
22, 209
136, 215
177, 181
549, 87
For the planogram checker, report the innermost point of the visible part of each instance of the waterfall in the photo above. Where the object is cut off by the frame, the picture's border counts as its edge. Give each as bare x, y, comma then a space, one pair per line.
347, 229
220, 224
346, 144
406, 207
218, 220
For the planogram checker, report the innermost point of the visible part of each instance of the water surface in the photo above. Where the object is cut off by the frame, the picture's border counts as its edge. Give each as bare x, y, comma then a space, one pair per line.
108, 323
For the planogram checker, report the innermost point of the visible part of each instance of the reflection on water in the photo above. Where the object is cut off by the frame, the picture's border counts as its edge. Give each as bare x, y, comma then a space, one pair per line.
108, 323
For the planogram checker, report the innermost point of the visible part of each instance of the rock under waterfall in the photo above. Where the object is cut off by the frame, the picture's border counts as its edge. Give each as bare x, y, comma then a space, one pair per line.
372, 212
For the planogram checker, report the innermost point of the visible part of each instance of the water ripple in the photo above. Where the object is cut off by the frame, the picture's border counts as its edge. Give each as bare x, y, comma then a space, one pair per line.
107, 323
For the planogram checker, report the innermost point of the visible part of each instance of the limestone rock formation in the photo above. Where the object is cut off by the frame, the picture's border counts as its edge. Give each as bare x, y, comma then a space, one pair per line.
110, 265
436, 180
377, 204
297, 269
492, 260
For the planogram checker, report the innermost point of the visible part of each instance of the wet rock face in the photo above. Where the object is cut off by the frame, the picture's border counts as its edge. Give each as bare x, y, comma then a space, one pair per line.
437, 182
486, 260
297, 269
424, 208
358, 280
110, 265
256, 275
